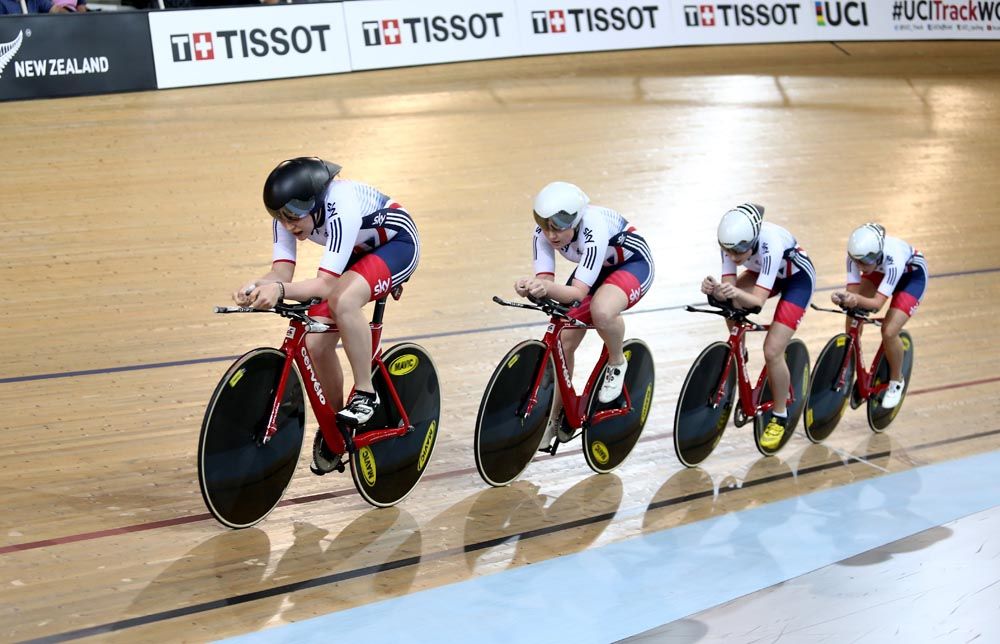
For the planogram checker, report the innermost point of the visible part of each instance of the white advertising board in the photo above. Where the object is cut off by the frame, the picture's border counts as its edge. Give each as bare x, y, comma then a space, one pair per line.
398, 33
248, 43
556, 26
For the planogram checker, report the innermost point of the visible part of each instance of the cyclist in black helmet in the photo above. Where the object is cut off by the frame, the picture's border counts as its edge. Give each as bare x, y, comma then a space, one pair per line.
371, 246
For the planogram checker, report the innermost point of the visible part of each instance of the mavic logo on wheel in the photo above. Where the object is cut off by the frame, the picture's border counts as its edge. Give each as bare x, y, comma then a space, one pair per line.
425, 449
312, 376
381, 286
404, 364
600, 452
367, 461
646, 402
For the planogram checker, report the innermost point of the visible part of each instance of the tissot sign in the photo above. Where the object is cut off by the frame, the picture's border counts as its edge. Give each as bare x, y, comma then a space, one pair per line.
552, 26
397, 33
252, 43
42, 55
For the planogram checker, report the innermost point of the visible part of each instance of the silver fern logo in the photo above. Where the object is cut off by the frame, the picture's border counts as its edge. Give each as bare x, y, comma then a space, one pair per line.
8, 50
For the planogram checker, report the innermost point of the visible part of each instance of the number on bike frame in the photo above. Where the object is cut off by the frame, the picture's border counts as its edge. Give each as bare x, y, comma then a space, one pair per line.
241, 480
387, 471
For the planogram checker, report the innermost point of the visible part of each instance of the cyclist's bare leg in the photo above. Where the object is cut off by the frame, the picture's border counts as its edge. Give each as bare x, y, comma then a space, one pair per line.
346, 303
323, 352
606, 312
778, 377
892, 345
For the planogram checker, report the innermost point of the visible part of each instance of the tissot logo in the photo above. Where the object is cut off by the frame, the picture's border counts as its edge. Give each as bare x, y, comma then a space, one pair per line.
835, 14
741, 14
431, 29
246, 43
557, 21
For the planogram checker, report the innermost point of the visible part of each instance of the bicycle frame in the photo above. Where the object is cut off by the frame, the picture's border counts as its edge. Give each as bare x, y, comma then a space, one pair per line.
749, 398
864, 376
574, 405
338, 438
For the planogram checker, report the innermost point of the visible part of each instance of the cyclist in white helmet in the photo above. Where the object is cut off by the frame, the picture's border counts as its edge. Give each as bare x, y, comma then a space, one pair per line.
614, 269
879, 268
776, 265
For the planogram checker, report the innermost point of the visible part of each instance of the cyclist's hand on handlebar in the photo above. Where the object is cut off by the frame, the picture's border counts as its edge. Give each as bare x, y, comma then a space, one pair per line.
708, 285
242, 295
264, 296
531, 287
725, 292
845, 300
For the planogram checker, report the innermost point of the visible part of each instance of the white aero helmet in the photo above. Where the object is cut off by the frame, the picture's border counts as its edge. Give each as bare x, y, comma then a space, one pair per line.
866, 243
740, 227
560, 206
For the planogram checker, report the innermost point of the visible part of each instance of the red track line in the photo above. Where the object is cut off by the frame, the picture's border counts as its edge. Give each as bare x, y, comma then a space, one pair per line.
166, 523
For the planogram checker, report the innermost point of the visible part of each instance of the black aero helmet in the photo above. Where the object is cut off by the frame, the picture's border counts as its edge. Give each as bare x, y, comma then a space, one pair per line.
292, 189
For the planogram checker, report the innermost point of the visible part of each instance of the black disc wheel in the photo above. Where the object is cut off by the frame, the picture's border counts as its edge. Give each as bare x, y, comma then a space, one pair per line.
700, 419
797, 359
387, 471
829, 397
879, 417
507, 437
242, 479
609, 441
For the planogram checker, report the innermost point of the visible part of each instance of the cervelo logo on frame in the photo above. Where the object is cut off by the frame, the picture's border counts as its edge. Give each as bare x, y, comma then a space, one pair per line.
247, 43
741, 14
582, 20
416, 30
836, 14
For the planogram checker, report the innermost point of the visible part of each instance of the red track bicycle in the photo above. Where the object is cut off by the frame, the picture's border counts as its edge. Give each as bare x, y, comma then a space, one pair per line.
518, 401
834, 384
707, 397
252, 432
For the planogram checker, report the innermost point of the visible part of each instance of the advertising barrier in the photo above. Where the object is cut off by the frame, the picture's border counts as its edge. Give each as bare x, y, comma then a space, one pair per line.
248, 43
397, 33
46, 56
557, 26
42, 55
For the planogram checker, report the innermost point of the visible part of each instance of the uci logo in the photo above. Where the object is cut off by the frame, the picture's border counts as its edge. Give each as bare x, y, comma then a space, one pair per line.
381, 286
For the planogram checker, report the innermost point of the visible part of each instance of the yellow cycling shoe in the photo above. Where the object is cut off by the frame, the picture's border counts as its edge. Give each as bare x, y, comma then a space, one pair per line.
771, 437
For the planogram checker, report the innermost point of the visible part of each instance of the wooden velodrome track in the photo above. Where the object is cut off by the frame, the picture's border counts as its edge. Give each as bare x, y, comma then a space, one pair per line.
124, 219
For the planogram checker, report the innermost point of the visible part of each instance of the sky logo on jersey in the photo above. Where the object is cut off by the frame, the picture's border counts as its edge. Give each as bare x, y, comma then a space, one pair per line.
431, 29
247, 43
741, 14
834, 14
558, 21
